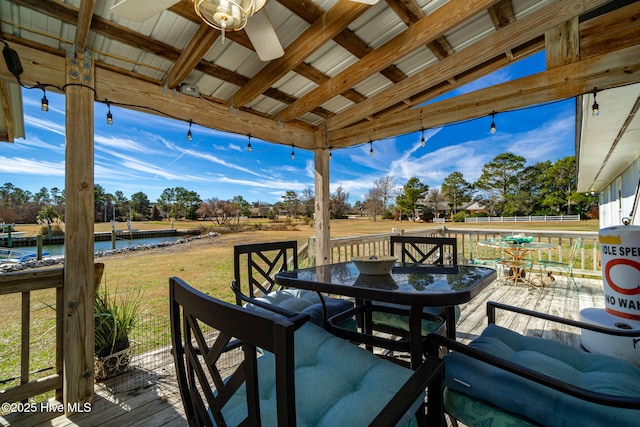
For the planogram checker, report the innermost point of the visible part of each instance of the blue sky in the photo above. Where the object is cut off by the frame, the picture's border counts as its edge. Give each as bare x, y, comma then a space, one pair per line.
143, 152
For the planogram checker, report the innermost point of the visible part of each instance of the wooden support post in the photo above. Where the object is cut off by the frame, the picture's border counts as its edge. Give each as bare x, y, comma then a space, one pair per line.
322, 222
78, 339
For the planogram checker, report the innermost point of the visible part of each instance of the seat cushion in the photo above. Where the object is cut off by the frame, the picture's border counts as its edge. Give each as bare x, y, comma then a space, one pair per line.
303, 301
337, 384
400, 321
475, 412
595, 372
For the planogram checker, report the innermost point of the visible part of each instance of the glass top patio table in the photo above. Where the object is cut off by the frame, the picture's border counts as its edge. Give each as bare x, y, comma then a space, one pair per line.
414, 285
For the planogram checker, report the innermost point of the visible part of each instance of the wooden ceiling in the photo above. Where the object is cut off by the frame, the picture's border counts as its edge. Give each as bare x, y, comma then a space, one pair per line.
350, 73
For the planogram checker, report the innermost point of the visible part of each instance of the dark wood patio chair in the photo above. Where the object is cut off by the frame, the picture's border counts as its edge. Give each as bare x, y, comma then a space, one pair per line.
255, 266
290, 371
504, 378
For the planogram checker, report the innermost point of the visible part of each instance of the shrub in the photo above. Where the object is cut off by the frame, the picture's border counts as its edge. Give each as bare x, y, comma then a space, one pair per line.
459, 216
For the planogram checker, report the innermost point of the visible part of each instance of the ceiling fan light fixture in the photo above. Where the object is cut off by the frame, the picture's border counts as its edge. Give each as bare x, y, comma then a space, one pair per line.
227, 15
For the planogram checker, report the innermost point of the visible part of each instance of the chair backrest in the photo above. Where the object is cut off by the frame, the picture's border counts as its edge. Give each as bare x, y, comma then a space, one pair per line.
472, 249
426, 250
203, 331
575, 248
256, 264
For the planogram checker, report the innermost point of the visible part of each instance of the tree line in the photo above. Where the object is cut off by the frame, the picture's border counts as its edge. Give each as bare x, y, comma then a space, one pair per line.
506, 186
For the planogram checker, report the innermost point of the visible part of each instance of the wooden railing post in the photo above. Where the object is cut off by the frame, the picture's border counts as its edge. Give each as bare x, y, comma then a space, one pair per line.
311, 251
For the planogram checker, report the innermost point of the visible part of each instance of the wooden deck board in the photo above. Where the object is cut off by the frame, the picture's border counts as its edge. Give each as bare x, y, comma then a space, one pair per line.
132, 401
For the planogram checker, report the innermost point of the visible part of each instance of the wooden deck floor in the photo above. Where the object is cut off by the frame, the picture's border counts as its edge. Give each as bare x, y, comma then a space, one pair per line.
150, 397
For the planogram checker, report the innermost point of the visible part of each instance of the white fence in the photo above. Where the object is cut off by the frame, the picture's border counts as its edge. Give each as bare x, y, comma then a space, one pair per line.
530, 218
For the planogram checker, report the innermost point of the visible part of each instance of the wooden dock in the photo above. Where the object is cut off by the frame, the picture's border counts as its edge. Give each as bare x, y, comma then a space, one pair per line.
149, 396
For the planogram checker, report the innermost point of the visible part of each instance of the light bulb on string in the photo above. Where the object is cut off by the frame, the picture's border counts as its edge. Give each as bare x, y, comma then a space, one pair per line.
249, 144
492, 129
44, 106
293, 154
189, 134
370, 148
109, 115
595, 108
422, 141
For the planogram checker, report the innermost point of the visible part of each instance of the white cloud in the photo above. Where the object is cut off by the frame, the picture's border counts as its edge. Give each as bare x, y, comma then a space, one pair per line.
38, 122
22, 166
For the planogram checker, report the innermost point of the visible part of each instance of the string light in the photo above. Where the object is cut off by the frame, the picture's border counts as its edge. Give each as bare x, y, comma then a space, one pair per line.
249, 144
189, 134
293, 154
45, 102
109, 115
370, 148
422, 141
595, 108
492, 130
330, 154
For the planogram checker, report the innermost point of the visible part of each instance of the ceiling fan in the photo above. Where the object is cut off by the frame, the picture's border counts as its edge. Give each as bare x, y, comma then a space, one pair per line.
223, 15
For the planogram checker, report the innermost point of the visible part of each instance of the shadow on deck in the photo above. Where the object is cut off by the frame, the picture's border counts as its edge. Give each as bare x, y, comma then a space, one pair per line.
149, 396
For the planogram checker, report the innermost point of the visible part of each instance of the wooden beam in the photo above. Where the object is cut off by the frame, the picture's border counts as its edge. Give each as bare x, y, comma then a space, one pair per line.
502, 14
6, 107
612, 69
474, 55
464, 78
410, 13
148, 97
311, 12
84, 23
428, 29
562, 44
78, 335
332, 23
191, 55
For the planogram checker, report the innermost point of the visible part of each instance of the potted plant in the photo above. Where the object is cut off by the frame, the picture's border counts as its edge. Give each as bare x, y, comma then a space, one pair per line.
114, 319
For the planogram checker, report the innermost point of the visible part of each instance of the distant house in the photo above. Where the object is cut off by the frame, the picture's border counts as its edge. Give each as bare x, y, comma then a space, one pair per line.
444, 210
608, 152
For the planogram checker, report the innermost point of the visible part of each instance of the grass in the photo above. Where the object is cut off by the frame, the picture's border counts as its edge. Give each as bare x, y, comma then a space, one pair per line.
206, 264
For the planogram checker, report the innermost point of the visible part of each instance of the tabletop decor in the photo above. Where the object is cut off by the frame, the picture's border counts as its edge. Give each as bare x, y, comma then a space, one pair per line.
374, 264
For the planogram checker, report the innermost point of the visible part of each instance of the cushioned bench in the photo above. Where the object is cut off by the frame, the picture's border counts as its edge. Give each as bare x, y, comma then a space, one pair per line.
508, 384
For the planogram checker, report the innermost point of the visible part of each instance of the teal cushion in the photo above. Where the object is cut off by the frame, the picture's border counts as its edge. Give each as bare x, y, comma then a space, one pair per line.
543, 405
400, 321
302, 301
478, 413
337, 384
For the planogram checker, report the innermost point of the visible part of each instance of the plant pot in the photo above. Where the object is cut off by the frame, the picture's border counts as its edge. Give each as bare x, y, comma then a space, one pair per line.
110, 365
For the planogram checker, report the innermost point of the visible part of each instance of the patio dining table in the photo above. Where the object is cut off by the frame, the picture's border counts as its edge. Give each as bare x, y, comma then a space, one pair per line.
516, 251
413, 285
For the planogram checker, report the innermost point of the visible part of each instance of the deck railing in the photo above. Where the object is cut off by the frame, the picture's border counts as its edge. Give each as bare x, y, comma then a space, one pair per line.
25, 283
586, 262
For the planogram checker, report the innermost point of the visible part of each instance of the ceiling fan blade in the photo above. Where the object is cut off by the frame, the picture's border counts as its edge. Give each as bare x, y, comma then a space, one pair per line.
366, 1
141, 10
263, 37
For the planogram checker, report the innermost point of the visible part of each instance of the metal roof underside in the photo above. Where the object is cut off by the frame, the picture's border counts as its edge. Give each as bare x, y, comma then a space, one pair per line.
382, 61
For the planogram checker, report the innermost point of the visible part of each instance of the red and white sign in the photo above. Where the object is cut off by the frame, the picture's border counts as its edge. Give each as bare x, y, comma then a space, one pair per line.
620, 252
